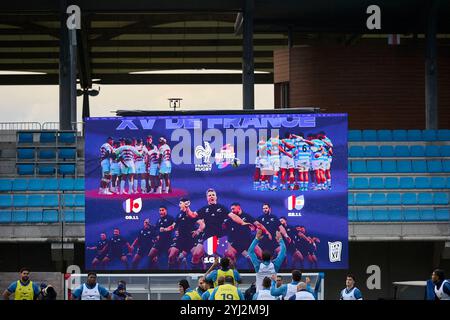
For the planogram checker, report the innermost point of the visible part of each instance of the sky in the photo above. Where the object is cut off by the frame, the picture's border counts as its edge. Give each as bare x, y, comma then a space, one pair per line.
40, 103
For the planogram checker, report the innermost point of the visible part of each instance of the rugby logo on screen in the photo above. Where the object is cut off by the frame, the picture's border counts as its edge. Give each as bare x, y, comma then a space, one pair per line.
132, 205
295, 203
334, 251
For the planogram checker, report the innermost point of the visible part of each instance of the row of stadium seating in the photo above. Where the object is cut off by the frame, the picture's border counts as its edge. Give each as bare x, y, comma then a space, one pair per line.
400, 166
42, 184
399, 135
42, 216
41, 200
396, 199
46, 154
63, 137
398, 215
45, 169
399, 183
399, 151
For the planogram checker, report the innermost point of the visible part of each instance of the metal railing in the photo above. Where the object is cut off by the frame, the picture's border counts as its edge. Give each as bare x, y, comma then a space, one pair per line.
13, 126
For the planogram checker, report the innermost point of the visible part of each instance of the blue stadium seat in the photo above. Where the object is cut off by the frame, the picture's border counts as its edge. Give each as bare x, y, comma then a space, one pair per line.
378, 199
351, 215
425, 198
25, 137
371, 151
422, 183
369, 135
5, 200
67, 153
438, 183
360, 183
34, 216
51, 200
350, 183
79, 200
445, 151
401, 151
414, 135
50, 184
393, 199
432, 151
46, 169
434, 166
68, 200
47, 137
35, 200
419, 166
351, 198
20, 185
79, 215
440, 198
399, 135
20, 200
5, 216
50, 216
406, 183
19, 216
427, 215
391, 183
411, 214
5, 185
373, 166
66, 184
365, 215
446, 165
376, 183
362, 199
409, 199
349, 166
66, 169
404, 166
429, 135
25, 153
417, 151
35, 184
384, 135
448, 182
389, 166
25, 169
443, 135
356, 151
47, 154
79, 184
380, 215
354, 135
395, 215
358, 166
67, 137
68, 215
387, 151
442, 214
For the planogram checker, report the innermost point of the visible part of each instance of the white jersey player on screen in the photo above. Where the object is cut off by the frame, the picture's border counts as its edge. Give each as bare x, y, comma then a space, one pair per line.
126, 156
141, 170
106, 151
273, 149
165, 167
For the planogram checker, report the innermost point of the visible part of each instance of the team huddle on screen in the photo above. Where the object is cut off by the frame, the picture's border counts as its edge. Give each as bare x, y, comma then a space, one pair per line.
294, 153
142, 167
192, 232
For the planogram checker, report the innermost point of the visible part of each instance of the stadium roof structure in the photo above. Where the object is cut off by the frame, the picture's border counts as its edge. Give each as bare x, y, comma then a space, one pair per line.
127, 41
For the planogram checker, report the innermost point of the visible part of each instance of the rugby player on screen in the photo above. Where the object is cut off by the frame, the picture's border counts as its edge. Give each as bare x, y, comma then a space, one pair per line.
118, 248
239, 235
144, 242
287, 150
182, 243
152, 162
209, 219
328, 145
165, 167
165, 226
101, 248
269, 224
105, 154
